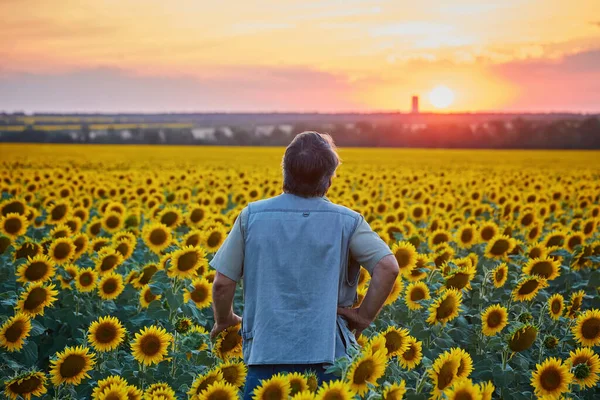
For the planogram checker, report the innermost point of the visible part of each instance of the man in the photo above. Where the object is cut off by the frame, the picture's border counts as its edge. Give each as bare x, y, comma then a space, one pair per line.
298, 255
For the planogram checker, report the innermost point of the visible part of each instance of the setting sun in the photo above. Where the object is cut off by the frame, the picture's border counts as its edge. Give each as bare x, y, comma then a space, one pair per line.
441, 97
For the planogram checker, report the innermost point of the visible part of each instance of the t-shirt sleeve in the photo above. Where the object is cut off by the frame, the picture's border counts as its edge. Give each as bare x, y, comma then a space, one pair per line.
229, 259
367, 247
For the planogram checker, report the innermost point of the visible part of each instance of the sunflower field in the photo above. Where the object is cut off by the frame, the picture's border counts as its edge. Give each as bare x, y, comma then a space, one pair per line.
105, 287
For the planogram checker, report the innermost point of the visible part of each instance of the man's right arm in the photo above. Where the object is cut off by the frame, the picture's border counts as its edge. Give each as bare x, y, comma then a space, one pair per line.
382, 282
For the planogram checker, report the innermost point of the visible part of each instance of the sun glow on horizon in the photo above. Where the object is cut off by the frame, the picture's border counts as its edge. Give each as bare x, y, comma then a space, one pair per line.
441, 97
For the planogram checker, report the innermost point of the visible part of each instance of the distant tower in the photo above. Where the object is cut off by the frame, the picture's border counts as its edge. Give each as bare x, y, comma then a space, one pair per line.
415, 105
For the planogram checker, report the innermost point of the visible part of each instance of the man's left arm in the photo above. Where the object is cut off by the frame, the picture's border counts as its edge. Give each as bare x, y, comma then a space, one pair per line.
228, 262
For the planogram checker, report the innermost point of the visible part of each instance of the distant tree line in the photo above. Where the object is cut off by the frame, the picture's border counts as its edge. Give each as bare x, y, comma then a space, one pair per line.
518, 133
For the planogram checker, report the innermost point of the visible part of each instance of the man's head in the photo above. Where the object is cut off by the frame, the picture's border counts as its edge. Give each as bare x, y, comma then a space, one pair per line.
309, 164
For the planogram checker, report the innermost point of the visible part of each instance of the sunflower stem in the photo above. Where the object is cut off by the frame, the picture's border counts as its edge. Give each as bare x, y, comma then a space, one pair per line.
420, 384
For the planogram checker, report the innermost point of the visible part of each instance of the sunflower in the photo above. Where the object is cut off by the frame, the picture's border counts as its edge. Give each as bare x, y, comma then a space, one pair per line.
97, 244
574, 240
157, 237
147, 297
417, 212
528, 287
113, 392
110, 286
13, 225
366, 369
544, 267
555, 238
150, 345
202, 382
306, 395
36, 298
551, 378
406, 255
26, 385
486, 389
81, 242
112, 222
196, 215
72, 365
275, 388
298, 383
14, 332
134, 393
40, 268
442, 254
185, 262
60, 230
58, 212
396, 340
213, 239
94, 227
556, 306
419, 272
587, 328
334, 390
219, 391
412, 355
575, 304
86, 280
201, 293
439, 236
192, 238
466, 362
106, 382
17, 206
494, 319
124, 247
229, 343
27, 249
463, 389
160, 391
500, 275
171, 217
465, 236
106, 334
443, 372
487, 231
62, 250
537, 250
415, 293
376, 344
146, 275
499, 246
108, 260
585, 357
460, 279
522, 338
533, 233
234, 373
396, 290
445, 308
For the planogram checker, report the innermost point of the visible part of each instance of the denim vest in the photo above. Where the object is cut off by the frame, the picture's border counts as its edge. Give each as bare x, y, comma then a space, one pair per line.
296, 254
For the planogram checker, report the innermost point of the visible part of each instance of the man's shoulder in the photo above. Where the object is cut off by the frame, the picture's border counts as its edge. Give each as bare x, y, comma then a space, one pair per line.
344, 210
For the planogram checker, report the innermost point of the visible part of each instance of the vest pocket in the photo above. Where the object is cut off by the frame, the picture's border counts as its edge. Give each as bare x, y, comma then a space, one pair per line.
347, 336
247, 344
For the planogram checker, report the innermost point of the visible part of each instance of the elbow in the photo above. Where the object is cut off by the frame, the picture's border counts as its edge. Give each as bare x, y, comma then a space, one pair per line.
222, 285
389, 267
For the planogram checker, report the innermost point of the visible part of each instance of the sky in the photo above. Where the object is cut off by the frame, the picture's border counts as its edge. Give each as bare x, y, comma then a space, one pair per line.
298, 56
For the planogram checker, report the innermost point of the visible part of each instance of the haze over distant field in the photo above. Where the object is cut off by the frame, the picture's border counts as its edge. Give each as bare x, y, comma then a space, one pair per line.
267, 55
